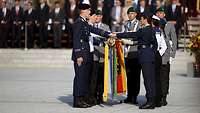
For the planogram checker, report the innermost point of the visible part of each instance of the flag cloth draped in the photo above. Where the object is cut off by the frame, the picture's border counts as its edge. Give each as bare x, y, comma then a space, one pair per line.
114, 68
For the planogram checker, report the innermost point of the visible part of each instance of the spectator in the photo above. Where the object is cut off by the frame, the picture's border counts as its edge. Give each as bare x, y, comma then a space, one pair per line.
116, 15
71, 14
17, 17
156, 6
142, 8
42, 21
30, 17
58, 18
4, 24
174, 15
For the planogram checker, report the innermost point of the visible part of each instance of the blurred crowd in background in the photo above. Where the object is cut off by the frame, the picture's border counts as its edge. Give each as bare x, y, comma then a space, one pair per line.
48, 23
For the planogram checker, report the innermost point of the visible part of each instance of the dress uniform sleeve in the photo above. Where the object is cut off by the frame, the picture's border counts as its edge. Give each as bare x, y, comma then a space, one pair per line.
76, 39
173, 38
133, 35
99, 31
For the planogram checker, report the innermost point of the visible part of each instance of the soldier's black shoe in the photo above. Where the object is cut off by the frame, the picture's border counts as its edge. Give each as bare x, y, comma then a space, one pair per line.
80, 103
164, 102
127, 100
132, 100
92, 101
158, 104
147, 106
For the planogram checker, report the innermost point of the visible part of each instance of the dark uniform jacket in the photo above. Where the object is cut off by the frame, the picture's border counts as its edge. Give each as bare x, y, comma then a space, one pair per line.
30, 18
43, 14
147, 43
17, 17
60, 17
81, 33
5, 18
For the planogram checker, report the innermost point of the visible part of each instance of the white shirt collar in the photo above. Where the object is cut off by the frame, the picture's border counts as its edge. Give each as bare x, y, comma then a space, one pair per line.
147, 25
57, 10
17, 8
83, 18
42, 5
30, 10
134, 20
4, 9
141, 9
98, 24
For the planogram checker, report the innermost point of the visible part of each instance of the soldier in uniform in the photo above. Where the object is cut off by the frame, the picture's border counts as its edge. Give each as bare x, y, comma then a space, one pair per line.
30, 17
17, 18
82, 56
133, 67
158, 61
147, 46
42, 21
97, 76
171, 41
4, 24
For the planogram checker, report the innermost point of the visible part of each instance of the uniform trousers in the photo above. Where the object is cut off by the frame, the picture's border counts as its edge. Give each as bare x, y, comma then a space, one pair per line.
158, 63
4, 28
43, 34
16, 36
57, 32
81, 79
165, 70
97, 80
133, 70
30, 34
148, 70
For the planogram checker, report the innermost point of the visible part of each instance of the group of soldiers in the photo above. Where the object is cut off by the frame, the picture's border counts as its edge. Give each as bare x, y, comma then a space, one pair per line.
149, 44
17, 20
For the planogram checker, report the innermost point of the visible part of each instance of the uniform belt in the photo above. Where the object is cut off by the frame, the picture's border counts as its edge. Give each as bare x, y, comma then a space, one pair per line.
145, 46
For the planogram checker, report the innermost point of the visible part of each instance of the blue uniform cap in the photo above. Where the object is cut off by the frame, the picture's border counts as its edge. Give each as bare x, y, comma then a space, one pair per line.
84, 6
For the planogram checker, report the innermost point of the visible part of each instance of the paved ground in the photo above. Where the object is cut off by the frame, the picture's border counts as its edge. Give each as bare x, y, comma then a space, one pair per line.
50, 91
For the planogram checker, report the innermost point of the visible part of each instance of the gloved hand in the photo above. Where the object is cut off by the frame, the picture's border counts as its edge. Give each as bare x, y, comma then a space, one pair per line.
171, 43
170, 60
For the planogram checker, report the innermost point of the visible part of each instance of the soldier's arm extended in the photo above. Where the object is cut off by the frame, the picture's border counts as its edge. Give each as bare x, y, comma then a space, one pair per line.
133, 35
99, 31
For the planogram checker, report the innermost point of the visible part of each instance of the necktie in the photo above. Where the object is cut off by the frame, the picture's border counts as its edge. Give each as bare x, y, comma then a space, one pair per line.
97, 26
129, 25
4, 11
17, 11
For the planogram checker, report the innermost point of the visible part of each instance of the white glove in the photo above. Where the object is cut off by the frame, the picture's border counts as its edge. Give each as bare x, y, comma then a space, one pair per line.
49, 27
63, 27
171, 43
170, 60
127, 41
50, 21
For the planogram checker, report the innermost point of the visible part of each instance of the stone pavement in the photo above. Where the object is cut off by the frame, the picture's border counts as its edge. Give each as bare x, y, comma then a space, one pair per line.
50, 91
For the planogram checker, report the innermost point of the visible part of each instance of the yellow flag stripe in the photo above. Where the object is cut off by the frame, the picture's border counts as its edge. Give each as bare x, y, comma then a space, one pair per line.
106, 73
